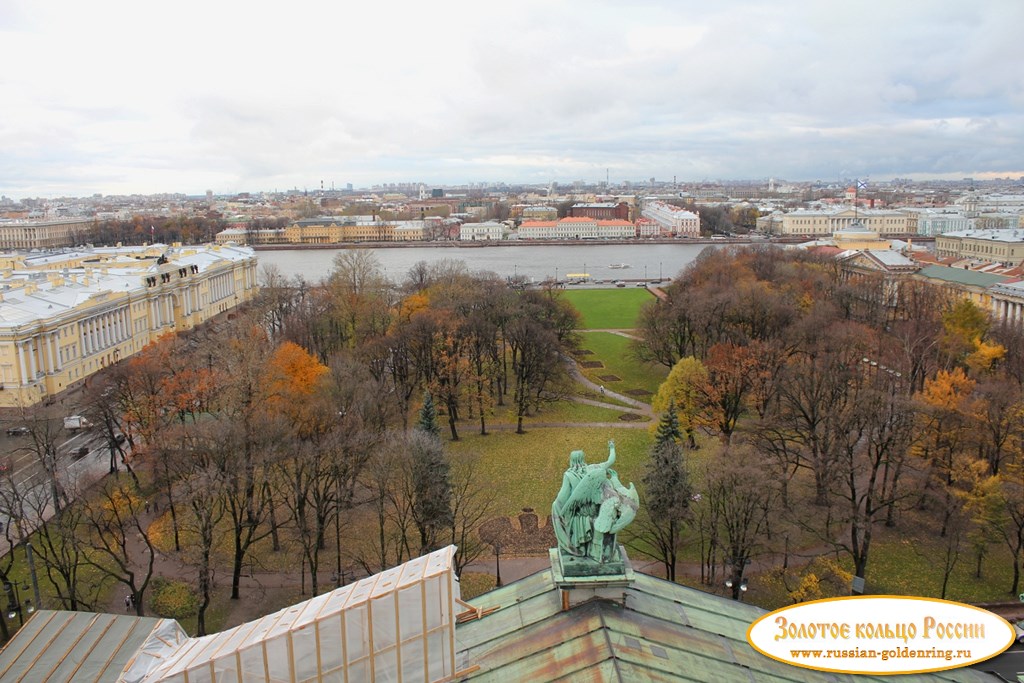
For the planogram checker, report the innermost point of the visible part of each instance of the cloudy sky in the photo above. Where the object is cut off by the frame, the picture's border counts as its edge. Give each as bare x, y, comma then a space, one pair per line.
116, 96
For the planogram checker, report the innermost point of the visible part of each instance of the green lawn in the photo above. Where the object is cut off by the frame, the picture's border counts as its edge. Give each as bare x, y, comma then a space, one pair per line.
525, 470
562, 411
608, 309
612, 350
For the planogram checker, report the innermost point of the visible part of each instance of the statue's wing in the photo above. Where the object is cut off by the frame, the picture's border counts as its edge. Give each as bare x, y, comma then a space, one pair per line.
588, 490
630, 503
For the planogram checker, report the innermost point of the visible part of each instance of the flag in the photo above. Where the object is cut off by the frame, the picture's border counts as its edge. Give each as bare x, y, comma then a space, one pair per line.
862, 184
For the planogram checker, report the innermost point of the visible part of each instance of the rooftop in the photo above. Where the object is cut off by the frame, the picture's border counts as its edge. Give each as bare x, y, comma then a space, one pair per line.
655, 631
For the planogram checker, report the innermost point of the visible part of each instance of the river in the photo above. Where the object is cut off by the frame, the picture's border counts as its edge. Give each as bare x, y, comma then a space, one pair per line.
535, 262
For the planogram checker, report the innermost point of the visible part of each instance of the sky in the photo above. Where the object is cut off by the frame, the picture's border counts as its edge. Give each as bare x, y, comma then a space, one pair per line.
119, 97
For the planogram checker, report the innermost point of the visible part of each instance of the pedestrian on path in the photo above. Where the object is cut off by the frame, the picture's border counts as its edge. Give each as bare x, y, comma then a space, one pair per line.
602, 390
128, 603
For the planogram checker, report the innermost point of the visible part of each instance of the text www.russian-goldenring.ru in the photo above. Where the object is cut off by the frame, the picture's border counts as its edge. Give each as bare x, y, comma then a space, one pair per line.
884, 655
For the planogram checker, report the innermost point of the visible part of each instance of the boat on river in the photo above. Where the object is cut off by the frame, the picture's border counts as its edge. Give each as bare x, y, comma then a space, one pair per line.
618, 265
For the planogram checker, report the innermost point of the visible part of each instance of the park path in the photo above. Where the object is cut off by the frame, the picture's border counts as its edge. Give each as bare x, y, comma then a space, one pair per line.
579, 377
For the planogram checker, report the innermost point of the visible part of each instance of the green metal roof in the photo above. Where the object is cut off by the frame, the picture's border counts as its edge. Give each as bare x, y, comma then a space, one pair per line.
961, 276
665, 632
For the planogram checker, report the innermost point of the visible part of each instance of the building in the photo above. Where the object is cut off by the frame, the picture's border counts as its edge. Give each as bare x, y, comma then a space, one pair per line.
601, 211
474, 232
409, 623
26, 235
932, 222
249, 236
997, 246
342, 229
672, 219
66, 316
535, 212
577, 229
813, 223
645, 227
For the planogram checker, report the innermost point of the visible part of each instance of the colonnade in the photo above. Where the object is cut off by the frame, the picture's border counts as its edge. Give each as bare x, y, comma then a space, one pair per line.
1008, 311
222, 286
100, 332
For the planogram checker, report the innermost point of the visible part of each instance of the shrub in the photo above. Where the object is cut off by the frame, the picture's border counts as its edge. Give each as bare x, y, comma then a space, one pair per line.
173, 599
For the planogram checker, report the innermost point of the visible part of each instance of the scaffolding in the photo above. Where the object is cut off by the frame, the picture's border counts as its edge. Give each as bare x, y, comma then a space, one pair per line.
398, 626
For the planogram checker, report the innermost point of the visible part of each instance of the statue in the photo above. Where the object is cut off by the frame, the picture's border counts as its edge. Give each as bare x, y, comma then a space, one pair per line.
591, 508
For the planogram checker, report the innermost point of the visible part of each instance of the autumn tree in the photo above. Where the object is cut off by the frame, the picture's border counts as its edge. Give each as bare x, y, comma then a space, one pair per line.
681, 391
121, 547
249, 432
867, 466
472, 502
740, 505
945, 422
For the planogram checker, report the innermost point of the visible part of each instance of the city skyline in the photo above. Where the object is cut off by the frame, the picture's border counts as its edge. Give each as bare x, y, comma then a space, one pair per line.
118, 98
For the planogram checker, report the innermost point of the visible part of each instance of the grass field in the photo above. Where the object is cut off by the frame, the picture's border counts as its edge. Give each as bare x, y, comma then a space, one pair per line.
613, 351
562, 411
608, 309
525, 470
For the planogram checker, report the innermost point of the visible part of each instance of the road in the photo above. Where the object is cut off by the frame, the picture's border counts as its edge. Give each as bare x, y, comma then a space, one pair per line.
26, 488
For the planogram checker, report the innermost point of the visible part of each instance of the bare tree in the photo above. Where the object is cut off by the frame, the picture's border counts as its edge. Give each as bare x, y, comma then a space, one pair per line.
121, 548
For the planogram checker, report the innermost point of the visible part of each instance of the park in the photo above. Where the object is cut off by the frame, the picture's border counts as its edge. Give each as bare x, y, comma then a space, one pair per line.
275, 461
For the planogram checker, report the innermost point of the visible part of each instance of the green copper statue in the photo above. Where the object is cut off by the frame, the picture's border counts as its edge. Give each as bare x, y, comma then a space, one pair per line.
591, 508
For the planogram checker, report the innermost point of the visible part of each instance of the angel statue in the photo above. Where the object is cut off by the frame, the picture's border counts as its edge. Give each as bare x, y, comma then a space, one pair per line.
592, 507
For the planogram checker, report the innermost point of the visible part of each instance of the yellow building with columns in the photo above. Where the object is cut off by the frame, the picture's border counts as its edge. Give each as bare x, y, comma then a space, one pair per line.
65, 316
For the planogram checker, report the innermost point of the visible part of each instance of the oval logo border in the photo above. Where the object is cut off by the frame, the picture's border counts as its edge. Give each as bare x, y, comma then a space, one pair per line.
1011, 635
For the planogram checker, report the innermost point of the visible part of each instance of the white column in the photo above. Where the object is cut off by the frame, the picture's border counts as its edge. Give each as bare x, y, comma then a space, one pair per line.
55, 339
21, 362
31, 358
45, 354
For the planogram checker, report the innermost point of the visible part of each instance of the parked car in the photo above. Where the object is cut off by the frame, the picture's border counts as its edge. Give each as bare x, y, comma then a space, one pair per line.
81, 452
120, 438
20, 430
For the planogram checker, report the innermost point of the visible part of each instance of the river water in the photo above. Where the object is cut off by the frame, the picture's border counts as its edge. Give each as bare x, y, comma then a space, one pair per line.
535, 262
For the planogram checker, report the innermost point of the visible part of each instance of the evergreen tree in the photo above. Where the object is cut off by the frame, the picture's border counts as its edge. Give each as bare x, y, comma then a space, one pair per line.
431, 479
432, 489
668, 427
668, 490
428, 417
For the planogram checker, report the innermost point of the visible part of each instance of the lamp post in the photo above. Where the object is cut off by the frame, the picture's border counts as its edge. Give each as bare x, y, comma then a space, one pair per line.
737, 582
14, 606
32, 572
497, 564
659, 271
737, 592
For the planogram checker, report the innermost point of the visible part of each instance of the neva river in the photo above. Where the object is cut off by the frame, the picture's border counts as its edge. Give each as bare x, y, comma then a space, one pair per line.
535, 262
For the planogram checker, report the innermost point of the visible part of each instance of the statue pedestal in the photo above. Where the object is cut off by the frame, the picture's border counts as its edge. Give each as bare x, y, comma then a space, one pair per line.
571, 572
